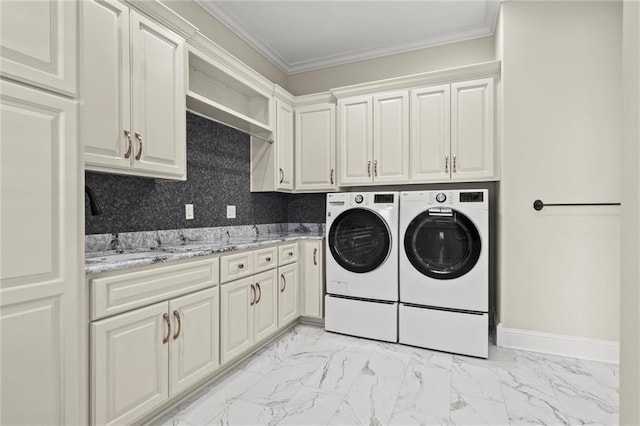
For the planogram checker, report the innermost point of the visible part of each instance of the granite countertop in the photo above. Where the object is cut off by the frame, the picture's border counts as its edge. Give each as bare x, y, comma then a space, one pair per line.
111, 260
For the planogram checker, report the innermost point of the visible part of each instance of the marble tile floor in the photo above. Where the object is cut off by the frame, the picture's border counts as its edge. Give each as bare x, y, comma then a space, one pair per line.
313, 377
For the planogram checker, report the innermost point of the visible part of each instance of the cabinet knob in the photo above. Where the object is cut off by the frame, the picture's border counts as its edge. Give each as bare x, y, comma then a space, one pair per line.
241, 266
128, 135
290, 253
139, 154
268, 259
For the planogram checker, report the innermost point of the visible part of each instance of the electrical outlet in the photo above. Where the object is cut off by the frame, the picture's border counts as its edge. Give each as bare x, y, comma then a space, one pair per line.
188, 210
231, 212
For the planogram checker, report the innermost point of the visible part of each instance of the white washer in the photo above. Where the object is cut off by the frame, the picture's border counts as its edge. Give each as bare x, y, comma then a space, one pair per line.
444, 270
362, 264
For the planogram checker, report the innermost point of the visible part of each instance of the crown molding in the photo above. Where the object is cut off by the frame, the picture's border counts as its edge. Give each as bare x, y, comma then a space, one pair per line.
314, 98
423, 79
165, 16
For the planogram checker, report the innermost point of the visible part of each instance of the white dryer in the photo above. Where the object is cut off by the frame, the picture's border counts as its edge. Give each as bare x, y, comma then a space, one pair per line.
362, 264
444, 270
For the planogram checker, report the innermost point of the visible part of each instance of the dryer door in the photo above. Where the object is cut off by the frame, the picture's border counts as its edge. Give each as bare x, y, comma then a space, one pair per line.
359, 240
442, 243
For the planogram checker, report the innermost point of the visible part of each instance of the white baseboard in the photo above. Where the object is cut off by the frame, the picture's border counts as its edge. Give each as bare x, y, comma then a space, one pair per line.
559, 344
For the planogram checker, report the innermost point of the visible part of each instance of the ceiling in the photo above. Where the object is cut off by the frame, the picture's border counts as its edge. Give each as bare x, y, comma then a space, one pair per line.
301, 35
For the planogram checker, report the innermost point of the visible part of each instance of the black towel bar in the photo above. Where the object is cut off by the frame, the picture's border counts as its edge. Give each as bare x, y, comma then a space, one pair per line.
538, 204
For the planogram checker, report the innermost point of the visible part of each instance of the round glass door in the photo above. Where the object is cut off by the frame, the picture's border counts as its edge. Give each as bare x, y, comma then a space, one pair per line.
442, 243
359, 240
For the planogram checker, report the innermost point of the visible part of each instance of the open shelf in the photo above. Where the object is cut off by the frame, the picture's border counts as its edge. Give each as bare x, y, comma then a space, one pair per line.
222, 97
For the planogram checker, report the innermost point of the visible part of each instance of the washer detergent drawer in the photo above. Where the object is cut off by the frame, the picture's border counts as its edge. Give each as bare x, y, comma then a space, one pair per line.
449, 331
373, 320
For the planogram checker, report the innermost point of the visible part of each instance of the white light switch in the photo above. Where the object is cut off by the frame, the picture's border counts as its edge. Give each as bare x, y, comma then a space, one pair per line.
231, 212
188, 210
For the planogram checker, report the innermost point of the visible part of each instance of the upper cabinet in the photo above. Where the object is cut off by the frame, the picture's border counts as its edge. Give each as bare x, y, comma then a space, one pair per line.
284, 142
374, 139
133, 118
315, 146
38, 43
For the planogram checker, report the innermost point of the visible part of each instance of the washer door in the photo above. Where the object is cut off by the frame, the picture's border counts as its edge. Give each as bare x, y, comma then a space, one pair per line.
359, 240
442, 243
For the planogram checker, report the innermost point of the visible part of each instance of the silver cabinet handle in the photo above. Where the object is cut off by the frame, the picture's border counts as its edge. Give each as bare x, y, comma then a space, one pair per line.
331, 176
165, 316
369, 168
375, 168
454, 164
315, 253
139, 154
446, 164
128, 135
281, 175
177, 315
253, 299
284, 283
259, 293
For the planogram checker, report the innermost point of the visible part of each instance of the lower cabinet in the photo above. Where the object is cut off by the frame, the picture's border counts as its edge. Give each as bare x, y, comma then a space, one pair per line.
312, 279
143, 357
249, 313
288, 294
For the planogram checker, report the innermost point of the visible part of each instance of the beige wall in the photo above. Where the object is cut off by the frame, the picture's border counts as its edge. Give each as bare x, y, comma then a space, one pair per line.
225, 38
559, 268
630, 291
429, 59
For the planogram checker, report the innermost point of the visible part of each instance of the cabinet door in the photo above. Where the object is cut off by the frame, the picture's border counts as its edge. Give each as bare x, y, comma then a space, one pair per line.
430, 134
311, 279
391, 137
158, 93
472, 128
106, 112
130, 359
236, 320
284, 146
194, 348
41, 317
315, 148
288, 294
266, 306
355, 141
38, 43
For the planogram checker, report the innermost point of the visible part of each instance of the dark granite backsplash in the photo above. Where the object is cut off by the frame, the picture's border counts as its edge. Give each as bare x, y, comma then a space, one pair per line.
218, 174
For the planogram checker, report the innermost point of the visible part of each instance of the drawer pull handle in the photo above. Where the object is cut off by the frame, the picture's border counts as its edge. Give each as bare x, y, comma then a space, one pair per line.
253, 299
259, 293
268, 259
284, 283
128, 135
168, 322
177, 315
139, 154
315, 254
240, 266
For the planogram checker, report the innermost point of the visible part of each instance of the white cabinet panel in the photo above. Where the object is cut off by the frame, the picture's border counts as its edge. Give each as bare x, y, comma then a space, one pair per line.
284, 145
158, 97
106, 113
194, 349
472, 128
266, 305
315, 144
130, 359
40, 269
288, 294
430, 134
237, 324
311, 282
38, 43
355, 140
391, 137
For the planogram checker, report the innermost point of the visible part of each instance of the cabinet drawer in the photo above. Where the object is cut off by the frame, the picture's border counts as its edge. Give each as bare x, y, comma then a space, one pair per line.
264, 259
234, 266
123, 292
287, 253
